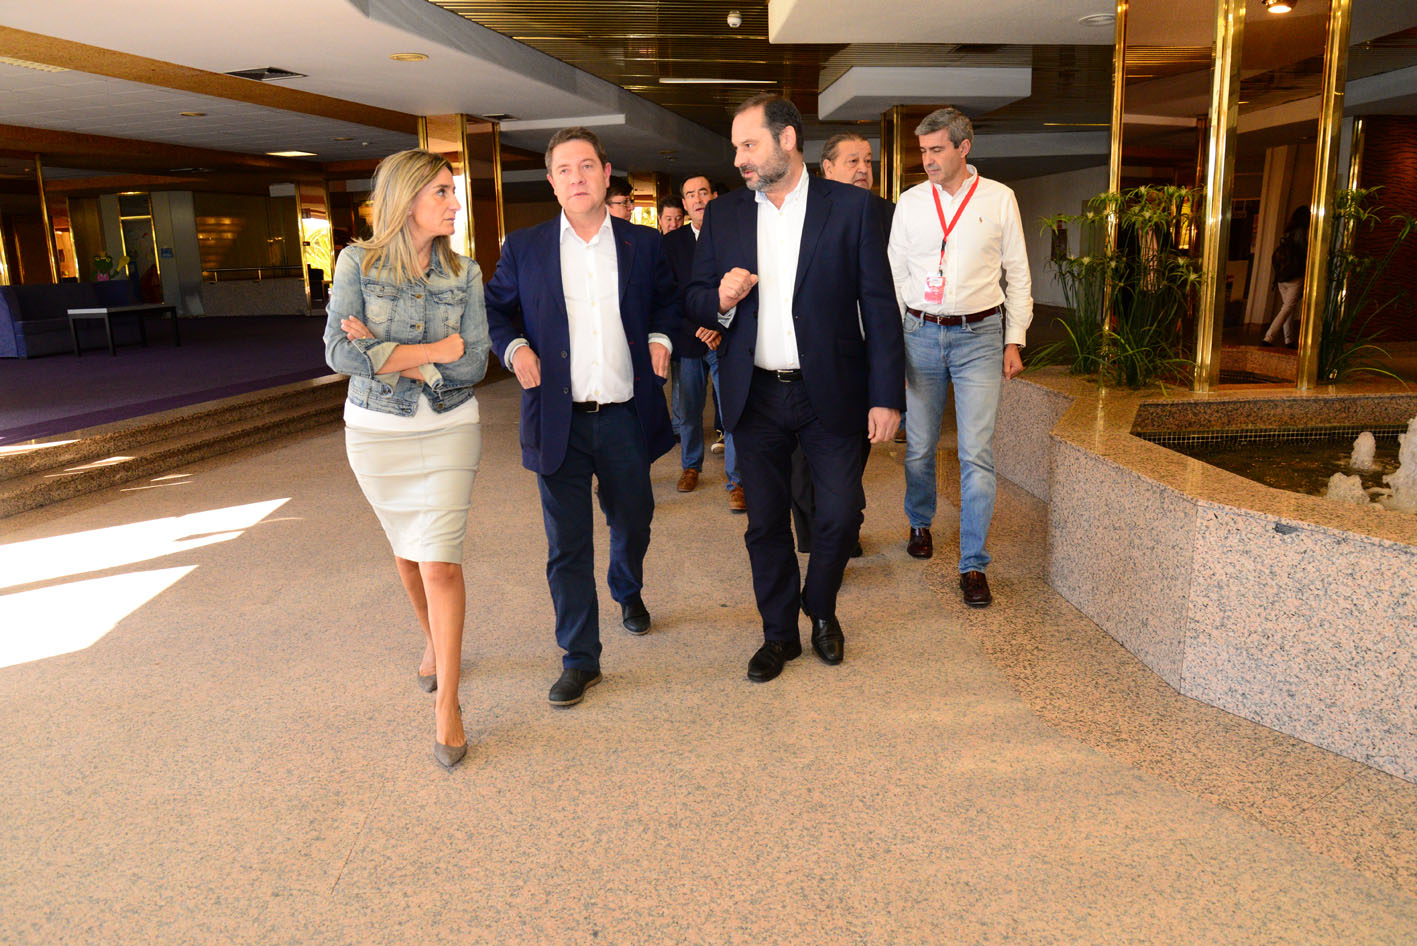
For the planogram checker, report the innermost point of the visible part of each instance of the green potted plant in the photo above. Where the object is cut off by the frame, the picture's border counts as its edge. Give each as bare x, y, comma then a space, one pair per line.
1126, 304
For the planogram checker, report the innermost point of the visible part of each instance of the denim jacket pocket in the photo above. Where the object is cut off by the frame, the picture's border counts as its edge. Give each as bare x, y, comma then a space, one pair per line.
449, 305
380, 301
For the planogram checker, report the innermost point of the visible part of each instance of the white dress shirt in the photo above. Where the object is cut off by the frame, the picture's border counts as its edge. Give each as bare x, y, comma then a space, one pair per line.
985, 247
601, 369
779, 244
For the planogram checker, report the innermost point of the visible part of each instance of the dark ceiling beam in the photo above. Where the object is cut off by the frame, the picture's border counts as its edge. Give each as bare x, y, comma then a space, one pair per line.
102, 152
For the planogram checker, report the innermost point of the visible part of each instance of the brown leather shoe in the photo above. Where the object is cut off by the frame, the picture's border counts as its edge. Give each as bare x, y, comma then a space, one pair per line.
920, 544
976, 589
688, 480
736, 502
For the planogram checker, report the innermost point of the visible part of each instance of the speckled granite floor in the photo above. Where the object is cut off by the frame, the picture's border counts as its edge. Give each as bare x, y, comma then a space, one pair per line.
244, 757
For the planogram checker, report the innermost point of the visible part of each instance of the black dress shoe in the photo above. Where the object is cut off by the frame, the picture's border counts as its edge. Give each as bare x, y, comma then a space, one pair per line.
569, 690
634, 615
767, 662
976, 589
827, 640
920, 544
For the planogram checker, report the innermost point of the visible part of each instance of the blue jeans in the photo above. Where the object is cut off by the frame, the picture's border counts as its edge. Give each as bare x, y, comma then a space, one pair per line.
692, 389
972, 358
730, 453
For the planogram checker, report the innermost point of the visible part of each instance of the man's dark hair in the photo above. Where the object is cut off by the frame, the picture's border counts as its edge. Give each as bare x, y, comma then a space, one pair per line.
618, 187
833, 144
779, 113
669, 200
575, 133
683, 182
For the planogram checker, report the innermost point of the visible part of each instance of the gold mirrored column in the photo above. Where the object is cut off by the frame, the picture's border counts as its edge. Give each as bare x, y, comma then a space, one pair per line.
472, 146
1321, 207
1119, 95
316, 240
890, 161
1114, 161
44, 220
1219, 182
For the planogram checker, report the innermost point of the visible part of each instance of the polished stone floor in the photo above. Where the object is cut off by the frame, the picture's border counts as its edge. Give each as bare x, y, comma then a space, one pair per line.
210, 733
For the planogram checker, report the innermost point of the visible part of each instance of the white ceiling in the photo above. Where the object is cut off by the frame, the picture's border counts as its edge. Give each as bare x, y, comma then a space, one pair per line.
342, 48
98, 105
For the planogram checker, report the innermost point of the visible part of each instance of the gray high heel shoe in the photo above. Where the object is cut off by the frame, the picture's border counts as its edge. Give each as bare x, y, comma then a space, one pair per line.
448, 756
429, 683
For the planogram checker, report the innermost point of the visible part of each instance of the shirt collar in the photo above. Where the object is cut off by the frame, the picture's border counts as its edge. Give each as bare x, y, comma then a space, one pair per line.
566, 228
798, 193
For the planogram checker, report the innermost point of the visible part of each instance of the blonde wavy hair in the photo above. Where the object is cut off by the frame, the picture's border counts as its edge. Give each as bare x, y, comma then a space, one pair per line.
390, 251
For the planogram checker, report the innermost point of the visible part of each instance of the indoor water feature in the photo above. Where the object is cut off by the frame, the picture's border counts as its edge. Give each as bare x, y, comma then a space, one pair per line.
1380, 466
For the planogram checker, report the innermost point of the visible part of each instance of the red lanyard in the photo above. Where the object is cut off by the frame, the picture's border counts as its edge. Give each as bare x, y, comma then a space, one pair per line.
949, 227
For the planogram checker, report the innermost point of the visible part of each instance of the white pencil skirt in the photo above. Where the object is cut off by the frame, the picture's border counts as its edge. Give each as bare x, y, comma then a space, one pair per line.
420, 485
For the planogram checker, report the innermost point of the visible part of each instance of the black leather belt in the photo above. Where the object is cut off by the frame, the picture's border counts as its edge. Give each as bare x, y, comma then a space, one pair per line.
592, 407
785, 375
954, 319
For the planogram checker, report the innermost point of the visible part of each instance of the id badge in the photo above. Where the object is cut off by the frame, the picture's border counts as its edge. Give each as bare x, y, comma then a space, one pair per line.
934, 289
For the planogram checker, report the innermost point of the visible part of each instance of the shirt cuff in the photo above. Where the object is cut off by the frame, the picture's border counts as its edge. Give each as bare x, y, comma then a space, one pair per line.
663, 340
726, 318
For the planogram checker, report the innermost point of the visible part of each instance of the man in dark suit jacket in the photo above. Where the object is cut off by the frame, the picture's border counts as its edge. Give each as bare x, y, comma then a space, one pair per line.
794, 270
580, 309
846, 159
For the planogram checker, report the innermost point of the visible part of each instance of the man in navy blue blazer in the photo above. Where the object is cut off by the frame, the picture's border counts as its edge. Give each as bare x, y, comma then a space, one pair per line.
580, 309
794, 271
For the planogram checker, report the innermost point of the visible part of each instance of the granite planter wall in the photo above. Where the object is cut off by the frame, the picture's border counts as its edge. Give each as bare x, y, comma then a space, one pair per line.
1286, 609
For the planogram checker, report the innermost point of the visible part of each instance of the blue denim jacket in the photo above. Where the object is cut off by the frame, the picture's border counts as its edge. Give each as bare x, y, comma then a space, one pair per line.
406, 314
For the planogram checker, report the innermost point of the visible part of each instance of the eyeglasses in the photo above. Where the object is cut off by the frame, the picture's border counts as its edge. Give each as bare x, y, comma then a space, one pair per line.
621, 202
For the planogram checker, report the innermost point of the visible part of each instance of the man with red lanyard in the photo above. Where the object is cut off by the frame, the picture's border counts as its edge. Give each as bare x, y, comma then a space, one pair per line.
954, 239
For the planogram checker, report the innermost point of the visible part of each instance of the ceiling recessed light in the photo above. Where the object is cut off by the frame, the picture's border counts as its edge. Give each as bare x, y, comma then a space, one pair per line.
1278, 6
291, 154
26, 64
345, 138
1098, 19
673, 80
193, 114
409, 57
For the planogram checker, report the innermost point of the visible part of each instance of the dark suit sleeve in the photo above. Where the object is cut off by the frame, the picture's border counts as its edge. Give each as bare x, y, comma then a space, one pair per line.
880, 316
664, 317
701, 295
504, 308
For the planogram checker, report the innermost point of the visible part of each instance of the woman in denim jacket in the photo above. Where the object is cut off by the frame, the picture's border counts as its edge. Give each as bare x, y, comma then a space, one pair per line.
407, 324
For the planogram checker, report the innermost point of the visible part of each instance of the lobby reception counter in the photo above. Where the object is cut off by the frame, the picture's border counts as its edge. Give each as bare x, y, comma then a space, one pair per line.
1290, 610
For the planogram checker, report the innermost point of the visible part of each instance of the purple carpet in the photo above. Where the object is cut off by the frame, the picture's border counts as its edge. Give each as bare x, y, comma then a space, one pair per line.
219, 357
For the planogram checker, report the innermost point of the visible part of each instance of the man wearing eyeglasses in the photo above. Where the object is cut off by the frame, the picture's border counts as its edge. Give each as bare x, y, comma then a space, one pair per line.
619, 198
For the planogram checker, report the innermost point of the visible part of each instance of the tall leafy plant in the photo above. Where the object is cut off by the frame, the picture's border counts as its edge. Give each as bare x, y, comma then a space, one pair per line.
1346, 345
1126, 304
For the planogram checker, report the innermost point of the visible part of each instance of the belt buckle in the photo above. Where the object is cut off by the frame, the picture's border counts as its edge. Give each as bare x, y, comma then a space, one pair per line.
593, 410
784, 375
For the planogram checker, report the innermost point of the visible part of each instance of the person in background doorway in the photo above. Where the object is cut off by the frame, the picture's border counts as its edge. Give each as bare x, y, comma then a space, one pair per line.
1288, 260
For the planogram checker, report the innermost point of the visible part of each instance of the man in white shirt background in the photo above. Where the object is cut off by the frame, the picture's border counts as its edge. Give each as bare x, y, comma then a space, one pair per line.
955, 239
580, 309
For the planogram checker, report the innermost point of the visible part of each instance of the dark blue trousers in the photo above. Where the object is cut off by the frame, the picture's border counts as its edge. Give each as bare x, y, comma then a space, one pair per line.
777, 418
610, 446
